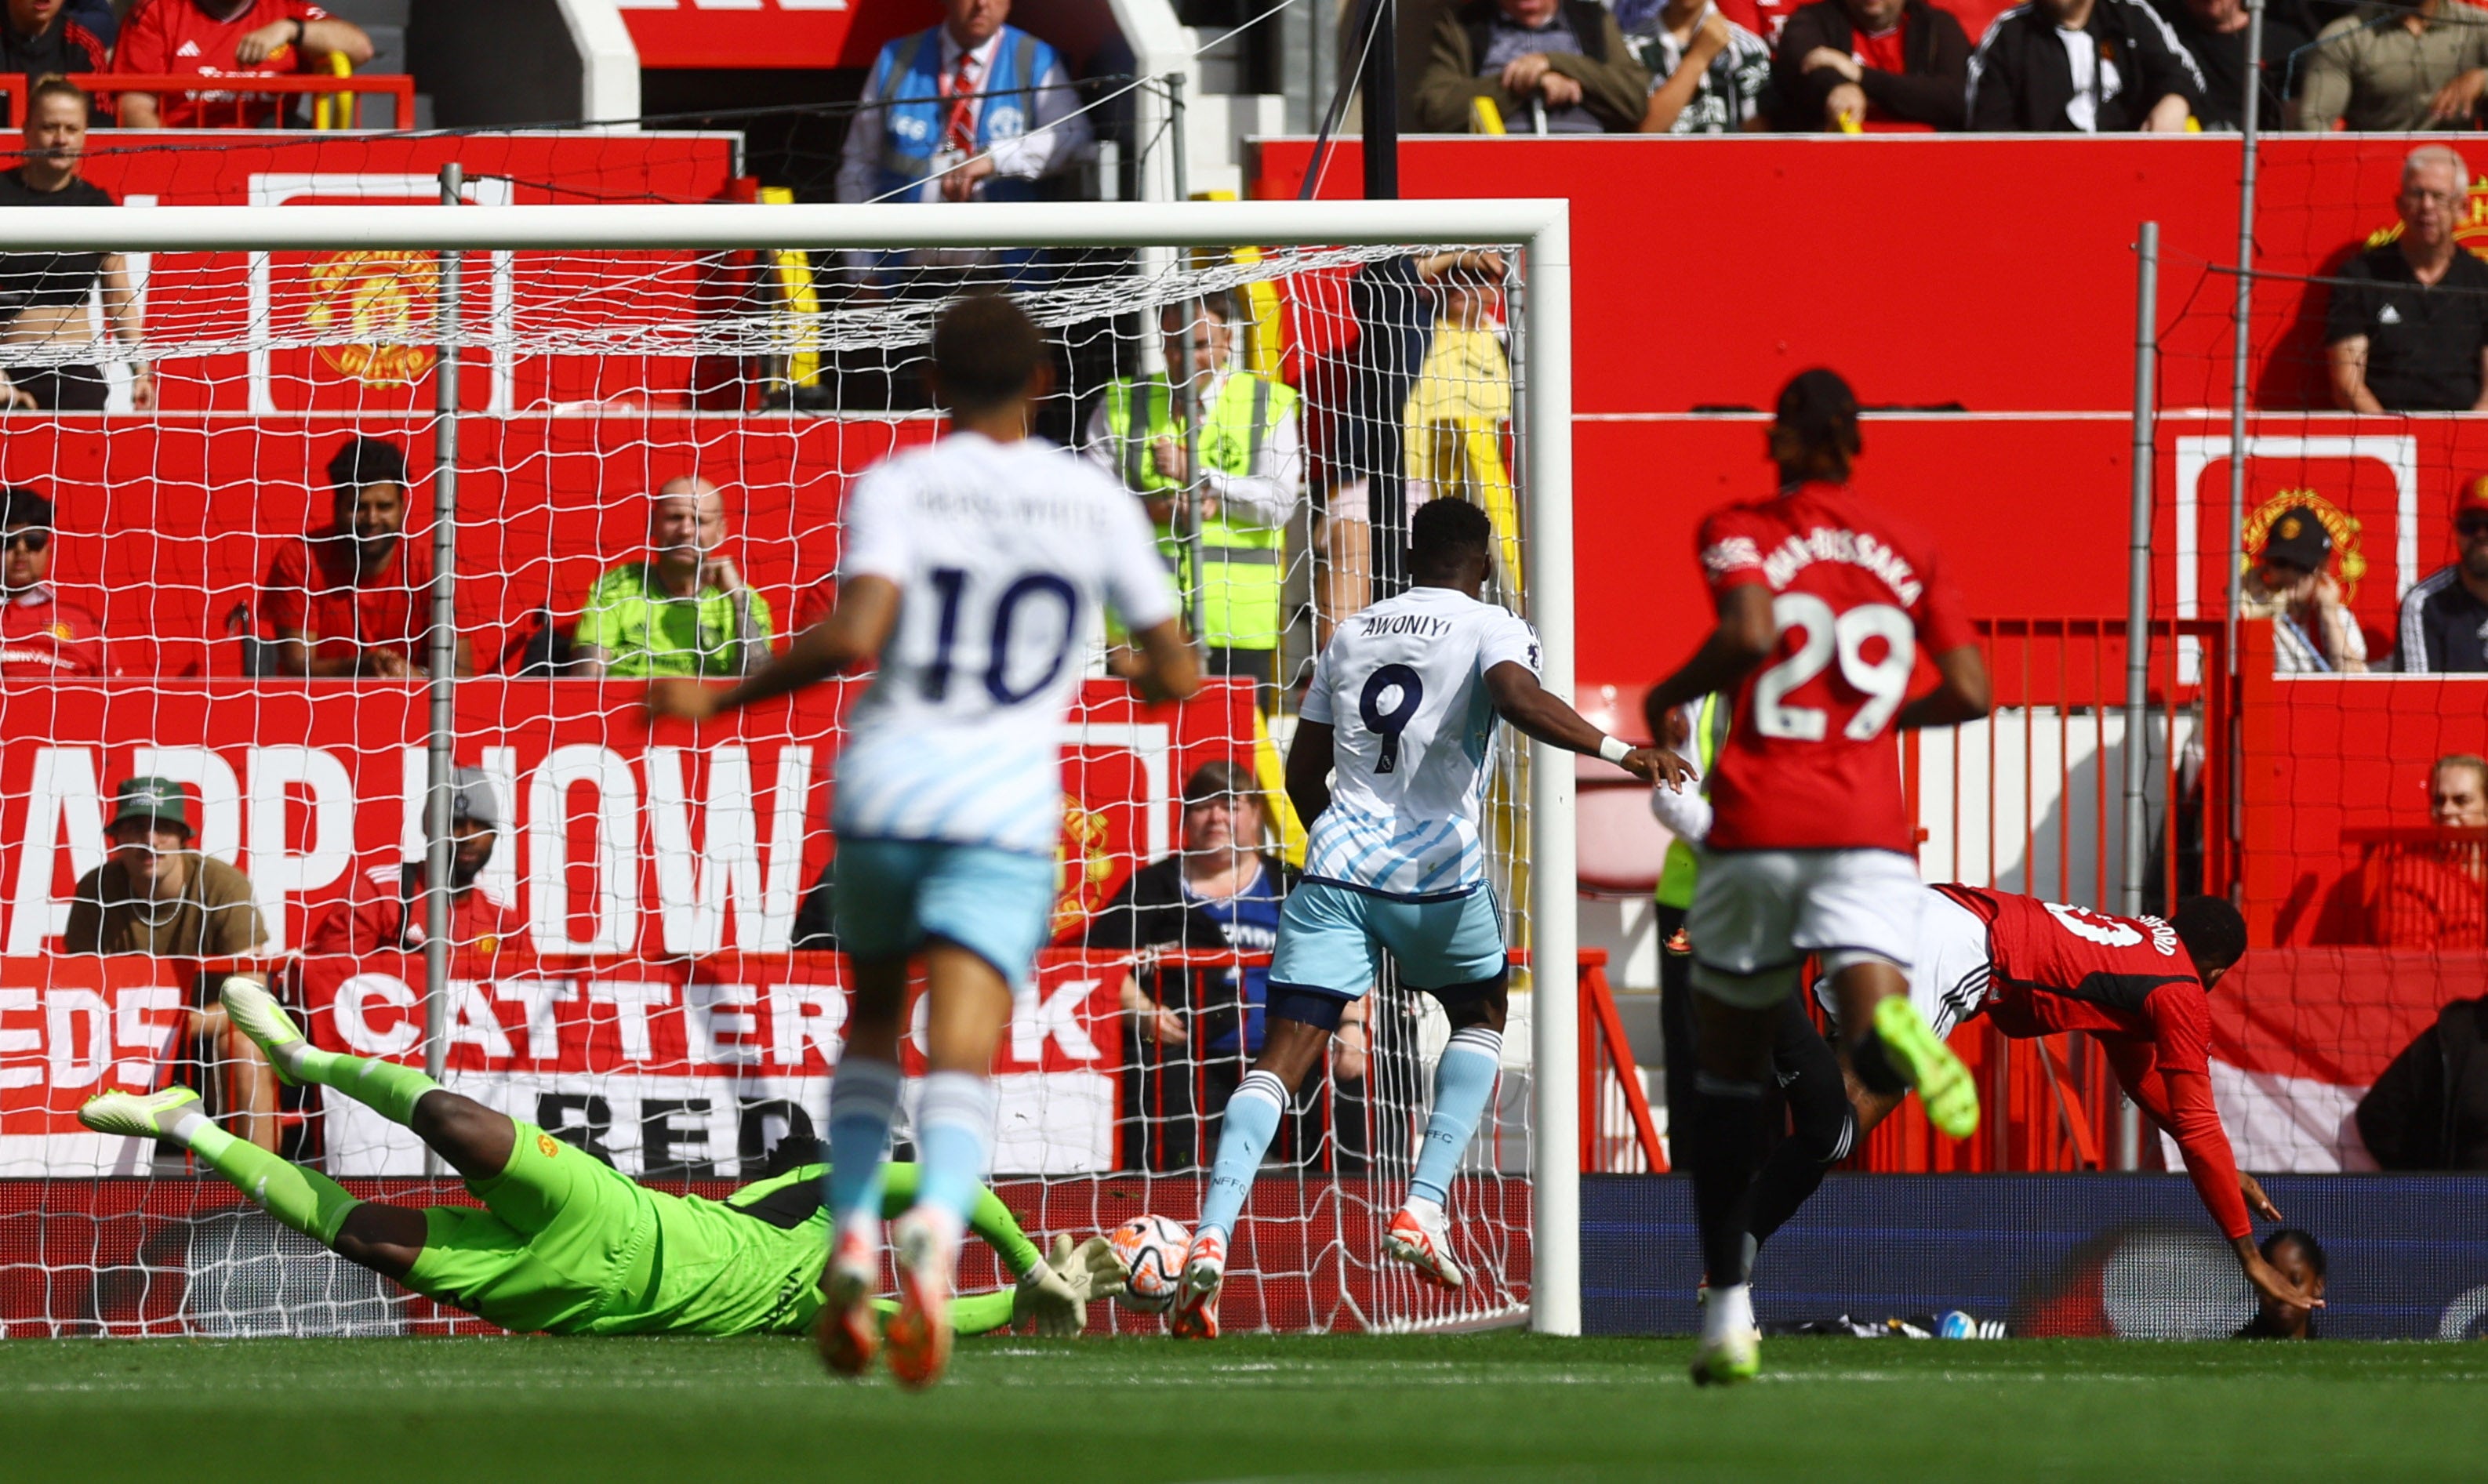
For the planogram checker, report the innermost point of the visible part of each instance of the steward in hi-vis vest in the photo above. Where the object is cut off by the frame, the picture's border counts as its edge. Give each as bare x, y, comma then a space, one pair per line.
1252, 468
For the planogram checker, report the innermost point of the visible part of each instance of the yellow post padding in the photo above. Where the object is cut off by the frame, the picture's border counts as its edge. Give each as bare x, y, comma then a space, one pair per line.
1272, 772
793, 271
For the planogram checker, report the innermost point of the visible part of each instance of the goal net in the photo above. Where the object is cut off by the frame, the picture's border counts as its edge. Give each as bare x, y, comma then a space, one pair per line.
226, 585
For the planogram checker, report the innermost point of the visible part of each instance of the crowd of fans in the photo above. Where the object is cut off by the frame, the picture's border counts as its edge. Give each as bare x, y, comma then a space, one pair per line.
1711, 67
219, 38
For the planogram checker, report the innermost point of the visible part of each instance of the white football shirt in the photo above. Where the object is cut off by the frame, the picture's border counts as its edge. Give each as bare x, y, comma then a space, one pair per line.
1003, 554
1403, 685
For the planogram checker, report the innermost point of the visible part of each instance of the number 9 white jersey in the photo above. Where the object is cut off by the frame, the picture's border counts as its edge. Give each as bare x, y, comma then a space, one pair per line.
1003, 554
1403, 685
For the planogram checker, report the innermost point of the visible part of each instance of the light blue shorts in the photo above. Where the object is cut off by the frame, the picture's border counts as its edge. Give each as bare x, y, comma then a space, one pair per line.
1331, 939
892, 895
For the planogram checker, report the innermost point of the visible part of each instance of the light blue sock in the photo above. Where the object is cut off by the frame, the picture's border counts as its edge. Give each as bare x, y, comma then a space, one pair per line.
1244, 1135
864, 1100
1463, 1080
954, 1142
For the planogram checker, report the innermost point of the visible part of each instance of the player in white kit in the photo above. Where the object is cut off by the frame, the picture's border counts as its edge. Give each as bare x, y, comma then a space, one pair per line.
974, 569
1403, 705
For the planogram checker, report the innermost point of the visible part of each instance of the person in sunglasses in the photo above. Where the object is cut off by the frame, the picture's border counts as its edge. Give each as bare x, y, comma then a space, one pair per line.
2444, 616
41, 636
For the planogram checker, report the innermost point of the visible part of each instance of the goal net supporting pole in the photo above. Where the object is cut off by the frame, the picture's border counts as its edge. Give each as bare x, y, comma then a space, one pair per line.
1539, 227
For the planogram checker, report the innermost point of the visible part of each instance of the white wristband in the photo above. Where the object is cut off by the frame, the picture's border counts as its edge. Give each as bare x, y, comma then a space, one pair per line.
1613, 750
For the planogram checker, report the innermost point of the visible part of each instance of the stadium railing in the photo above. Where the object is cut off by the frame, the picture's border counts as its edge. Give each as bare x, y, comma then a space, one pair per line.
242, 93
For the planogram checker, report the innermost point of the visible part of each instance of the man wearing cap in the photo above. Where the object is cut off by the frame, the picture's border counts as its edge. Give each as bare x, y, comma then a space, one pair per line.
41, 636
355, 598
156, 895
387, 912
2445, 615
685, 611
2312, 632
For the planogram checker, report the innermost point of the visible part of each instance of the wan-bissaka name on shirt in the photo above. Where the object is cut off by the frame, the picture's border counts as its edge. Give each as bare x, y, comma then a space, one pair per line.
1822, 544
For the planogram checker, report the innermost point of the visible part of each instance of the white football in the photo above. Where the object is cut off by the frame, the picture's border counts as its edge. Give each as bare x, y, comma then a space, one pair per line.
1151, 1248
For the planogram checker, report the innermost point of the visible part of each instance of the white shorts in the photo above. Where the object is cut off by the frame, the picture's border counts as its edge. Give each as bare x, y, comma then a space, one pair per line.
1948, 976
1758, 915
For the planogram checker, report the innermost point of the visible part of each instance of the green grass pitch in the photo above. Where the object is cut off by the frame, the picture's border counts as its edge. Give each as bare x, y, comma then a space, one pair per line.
1469, 1407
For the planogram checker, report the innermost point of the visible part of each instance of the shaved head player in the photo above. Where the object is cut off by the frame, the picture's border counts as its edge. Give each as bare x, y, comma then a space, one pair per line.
1824, 606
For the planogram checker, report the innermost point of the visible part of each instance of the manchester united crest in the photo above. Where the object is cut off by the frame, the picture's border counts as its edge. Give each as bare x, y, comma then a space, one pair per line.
373, 314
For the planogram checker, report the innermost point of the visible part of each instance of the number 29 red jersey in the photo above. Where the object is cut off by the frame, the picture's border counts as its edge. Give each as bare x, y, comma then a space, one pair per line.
1809, 762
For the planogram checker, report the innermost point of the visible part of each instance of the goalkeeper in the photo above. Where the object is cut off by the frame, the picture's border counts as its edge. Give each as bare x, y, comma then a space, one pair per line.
566, 1244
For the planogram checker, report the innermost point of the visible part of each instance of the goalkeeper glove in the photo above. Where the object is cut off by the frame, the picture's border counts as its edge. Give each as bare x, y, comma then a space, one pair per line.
1054, 1297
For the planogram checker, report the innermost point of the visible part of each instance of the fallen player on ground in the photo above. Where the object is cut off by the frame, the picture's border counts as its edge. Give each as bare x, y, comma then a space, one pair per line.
566, 1244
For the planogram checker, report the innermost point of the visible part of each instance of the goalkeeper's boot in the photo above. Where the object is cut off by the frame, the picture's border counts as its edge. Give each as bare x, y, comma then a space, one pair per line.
1944, 1085
138, 1115
1422, 1238
255, 1012
920, 1333
849, 1329
1195, 1314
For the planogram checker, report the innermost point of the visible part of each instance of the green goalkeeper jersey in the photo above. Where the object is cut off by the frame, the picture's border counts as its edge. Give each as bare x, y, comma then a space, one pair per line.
571, 1246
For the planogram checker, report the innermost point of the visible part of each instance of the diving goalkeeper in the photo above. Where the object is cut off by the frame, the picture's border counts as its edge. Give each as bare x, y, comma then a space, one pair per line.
566, 1244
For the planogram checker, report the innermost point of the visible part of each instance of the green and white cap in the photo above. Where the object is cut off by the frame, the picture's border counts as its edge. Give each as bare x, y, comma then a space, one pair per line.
156, 800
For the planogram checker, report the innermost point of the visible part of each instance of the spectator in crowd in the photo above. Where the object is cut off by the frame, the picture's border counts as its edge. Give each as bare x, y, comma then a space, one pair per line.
2429, 1109
156, 895
1193, 1031
1566, 57
227, 38
1707, 74
2313, 630
46, 38
2406, 331
2445, 615
1252, 466
41, 636
387, 910
2300, 1258
683, 611
2396, 69
2094, 66
355, 598
1848, 63
2214, 33
2434, 893
969, 110
44, 295
1459, 405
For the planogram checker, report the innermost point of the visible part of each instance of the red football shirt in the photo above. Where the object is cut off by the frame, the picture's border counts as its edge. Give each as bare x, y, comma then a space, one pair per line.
179, 36
42, 637
1810, 762
1762, 18
384, 913
2128, 981
311, 588
1882, 52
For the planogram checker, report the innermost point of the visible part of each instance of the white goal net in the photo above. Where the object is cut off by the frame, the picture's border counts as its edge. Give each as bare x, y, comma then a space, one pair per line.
656, 423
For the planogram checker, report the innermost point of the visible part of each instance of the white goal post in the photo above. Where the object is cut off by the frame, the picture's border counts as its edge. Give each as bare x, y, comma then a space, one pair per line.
1542, 409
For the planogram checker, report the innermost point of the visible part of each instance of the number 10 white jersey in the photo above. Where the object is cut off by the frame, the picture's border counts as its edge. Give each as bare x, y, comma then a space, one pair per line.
1403, 685
1003, 553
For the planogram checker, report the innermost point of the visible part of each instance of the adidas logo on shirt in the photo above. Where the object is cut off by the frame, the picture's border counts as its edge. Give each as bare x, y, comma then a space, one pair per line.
187, 49
2389, 315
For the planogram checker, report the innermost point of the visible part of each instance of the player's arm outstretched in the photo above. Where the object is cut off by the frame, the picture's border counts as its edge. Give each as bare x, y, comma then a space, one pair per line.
1519, 699
2181, 1102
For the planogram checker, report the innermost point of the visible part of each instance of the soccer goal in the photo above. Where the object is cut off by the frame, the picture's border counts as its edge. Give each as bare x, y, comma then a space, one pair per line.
626, 432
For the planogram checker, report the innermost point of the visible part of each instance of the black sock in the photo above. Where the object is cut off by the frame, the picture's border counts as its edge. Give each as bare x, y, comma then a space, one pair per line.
1718, 1148
1874, 1066
1794, 1169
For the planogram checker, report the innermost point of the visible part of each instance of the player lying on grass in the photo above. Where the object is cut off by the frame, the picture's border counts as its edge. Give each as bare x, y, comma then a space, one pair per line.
566, 1244
1403, 707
